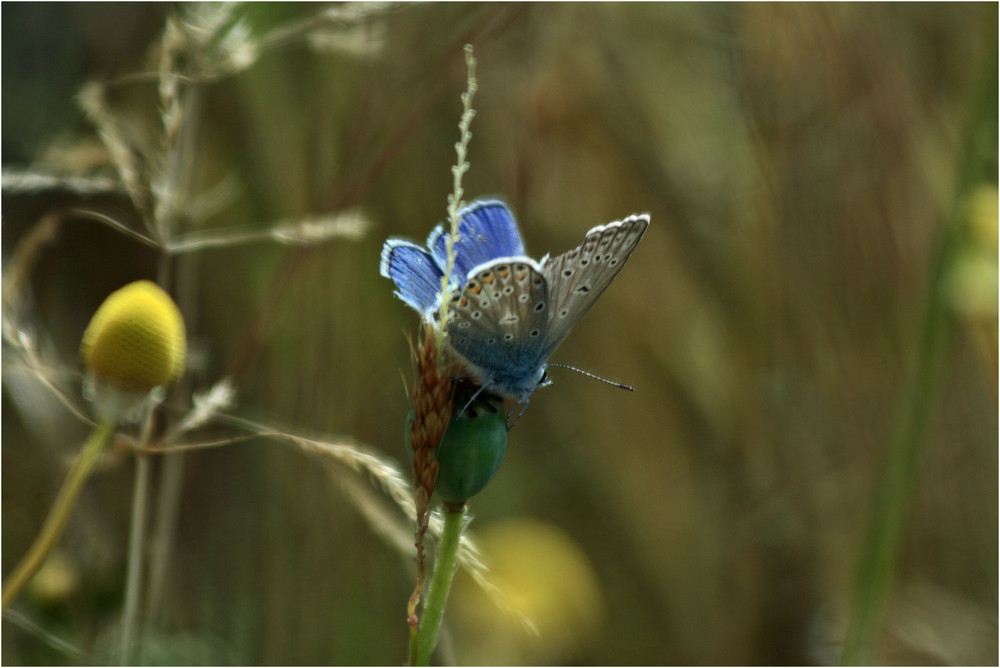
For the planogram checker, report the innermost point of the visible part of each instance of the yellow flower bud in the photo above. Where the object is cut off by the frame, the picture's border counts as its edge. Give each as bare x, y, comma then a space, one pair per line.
135, 342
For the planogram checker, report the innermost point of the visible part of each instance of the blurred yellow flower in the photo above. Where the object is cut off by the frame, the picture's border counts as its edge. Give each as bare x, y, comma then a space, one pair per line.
542, 574
971, 284
136, 339
57, 579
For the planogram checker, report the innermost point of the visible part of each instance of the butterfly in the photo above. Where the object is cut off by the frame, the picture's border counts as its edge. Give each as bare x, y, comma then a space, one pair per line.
508, 312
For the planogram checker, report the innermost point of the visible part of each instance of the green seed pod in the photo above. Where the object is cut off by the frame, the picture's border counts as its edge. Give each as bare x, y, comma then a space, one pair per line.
471, 450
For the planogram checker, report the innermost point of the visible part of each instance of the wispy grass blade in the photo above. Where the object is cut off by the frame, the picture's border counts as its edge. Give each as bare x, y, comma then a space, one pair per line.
890, 512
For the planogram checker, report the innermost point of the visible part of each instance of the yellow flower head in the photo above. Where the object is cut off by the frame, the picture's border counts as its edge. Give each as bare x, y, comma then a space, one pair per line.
136, 339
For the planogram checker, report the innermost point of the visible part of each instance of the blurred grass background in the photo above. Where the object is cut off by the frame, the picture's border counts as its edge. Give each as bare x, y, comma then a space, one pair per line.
800, 166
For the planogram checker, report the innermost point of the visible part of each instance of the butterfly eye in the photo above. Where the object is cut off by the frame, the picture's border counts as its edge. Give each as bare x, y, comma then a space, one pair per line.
534, 333
523, 297
567, 273
508, 337
539, 306
583, 289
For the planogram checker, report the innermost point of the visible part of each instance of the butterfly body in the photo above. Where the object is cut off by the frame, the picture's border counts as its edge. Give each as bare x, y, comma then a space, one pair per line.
509, 312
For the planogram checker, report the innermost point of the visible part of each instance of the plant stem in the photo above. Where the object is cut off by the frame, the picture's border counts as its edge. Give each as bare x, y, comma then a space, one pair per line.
136, 540
133, 578
445, 565
167, 509
62, 508
414, 637
458, 170
889, 514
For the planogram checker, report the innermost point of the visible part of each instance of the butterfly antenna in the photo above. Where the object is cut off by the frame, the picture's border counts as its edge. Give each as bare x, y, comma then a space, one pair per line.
620, 386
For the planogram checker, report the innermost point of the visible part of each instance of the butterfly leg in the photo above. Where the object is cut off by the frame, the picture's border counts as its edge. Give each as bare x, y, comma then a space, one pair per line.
524, 401
469, 402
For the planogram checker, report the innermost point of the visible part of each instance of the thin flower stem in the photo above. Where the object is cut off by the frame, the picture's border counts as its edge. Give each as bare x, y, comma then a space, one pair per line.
137, 540
60, 512
445, 565
414, 637
137, 531
161, 543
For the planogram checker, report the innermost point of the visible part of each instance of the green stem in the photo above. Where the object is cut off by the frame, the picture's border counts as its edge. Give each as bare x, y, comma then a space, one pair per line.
889, 514
136, 540
133, 578
59, 514
413, 646
445, 565
167, 508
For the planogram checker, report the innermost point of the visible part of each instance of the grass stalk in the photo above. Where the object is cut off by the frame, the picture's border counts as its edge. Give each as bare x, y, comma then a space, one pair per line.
167, 510
458, 170
133, 578
889, 514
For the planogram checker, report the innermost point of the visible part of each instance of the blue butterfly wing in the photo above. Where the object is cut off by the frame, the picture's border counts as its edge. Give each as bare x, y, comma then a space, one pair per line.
498, 325
579, 276
415, 272
486, 230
